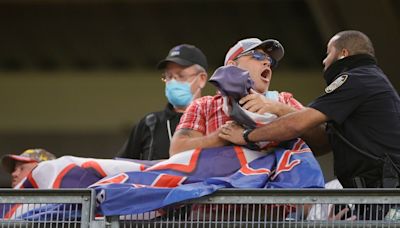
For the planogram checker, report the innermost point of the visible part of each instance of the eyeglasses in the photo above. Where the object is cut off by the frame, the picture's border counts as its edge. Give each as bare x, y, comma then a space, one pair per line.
257, 55
168, 76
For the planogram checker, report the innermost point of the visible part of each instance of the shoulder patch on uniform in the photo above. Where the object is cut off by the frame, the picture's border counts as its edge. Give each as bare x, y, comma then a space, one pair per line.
336, 84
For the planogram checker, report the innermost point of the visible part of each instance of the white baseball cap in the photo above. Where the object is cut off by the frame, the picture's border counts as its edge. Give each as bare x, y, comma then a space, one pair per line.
272, 47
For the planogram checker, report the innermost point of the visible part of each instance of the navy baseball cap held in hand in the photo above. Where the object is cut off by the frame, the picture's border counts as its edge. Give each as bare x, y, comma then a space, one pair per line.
272, 47
184, 55
234, 83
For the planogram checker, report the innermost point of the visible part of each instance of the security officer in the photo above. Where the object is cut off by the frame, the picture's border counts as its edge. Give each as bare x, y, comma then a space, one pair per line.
362, 110
184, 74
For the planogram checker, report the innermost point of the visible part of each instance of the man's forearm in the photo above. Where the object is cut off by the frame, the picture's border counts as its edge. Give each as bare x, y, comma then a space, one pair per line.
188, 139
285, 109
318, 141
278, 130
290, 126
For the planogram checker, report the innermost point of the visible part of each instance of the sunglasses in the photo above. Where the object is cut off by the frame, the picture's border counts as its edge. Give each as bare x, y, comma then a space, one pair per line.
259, 56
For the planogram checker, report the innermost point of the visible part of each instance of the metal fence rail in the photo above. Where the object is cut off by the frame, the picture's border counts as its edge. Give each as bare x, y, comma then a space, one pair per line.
277, 208
225, 208
46, 208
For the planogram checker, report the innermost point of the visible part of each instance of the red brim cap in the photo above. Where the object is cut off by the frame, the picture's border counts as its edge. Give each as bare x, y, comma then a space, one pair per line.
8, 161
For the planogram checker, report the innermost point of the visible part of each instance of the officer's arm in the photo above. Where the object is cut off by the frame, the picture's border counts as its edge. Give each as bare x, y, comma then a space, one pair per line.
317, 139
293, 125
187, 139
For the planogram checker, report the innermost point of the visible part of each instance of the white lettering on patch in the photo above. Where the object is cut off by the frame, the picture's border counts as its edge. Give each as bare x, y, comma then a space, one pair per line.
336, 84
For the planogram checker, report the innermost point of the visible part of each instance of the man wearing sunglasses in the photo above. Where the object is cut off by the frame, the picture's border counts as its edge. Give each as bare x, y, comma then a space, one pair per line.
201, 123
184, 74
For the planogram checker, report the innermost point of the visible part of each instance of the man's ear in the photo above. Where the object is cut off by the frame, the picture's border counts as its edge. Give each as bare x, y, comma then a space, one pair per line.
203, 78
344, 53
231, 62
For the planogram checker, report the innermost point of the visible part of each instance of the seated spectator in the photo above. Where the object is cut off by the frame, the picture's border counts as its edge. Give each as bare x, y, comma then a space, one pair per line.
185, 75
19, 166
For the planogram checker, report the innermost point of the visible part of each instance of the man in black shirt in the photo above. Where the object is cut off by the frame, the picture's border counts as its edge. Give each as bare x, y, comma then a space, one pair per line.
184, 74
362, 110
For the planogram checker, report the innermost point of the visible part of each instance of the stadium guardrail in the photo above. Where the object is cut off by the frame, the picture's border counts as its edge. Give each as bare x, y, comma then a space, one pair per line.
225, 208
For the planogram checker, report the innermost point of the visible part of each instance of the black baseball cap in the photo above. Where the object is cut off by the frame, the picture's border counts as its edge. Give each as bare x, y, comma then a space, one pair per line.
185, 55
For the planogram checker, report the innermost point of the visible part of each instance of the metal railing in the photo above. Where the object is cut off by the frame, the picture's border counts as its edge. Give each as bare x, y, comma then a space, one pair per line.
277, 208
46, 208
225, 208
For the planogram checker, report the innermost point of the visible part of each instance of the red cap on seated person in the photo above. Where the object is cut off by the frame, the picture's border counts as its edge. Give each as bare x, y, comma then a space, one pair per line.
31, 155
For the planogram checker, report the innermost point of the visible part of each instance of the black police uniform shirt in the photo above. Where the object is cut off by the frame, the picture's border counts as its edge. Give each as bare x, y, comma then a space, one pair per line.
365, 108
138, 144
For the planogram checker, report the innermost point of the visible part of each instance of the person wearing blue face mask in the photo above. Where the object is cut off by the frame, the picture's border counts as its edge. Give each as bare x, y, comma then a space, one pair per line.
184, 74
179, 92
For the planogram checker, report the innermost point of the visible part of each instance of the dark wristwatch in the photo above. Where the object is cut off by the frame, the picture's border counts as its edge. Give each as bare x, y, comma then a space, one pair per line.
246, 133
250, 144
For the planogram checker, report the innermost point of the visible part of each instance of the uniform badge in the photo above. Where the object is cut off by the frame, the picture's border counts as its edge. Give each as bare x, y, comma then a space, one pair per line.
336, 84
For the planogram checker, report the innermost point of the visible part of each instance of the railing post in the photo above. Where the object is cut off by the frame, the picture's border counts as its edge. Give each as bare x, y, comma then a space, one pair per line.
112, 221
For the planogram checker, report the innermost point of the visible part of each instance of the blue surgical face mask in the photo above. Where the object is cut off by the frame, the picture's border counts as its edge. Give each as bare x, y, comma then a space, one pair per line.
179, 94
